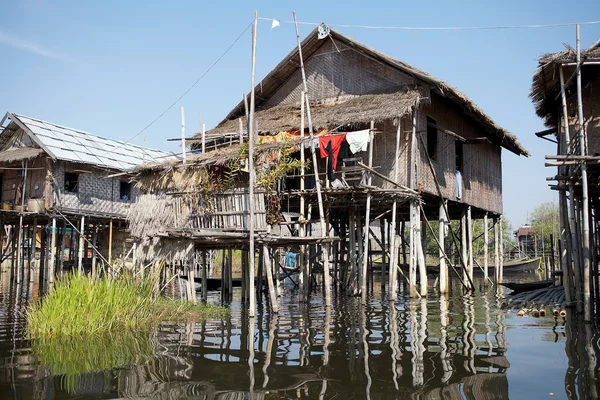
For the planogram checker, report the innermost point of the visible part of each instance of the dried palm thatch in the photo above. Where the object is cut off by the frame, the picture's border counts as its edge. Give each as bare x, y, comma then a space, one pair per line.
152, 213
204, 172
19, 154
332, 113
169, 249
545, 89
345, 113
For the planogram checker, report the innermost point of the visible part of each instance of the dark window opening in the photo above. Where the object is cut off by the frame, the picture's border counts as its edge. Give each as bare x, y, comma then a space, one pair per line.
458, 146
71, 182
432, 138
125, 191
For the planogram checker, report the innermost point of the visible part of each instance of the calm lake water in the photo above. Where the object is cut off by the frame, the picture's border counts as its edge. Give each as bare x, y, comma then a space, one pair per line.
459, 347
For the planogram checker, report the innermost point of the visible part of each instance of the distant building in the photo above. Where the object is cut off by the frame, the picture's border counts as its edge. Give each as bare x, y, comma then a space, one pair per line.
526, 241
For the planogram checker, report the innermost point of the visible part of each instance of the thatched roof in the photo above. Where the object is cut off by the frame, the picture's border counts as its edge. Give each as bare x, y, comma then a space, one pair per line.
333, 113
545, 89
19, 154
290, 64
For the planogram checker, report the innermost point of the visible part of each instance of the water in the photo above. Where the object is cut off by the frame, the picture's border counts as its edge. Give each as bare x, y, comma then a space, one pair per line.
462, 347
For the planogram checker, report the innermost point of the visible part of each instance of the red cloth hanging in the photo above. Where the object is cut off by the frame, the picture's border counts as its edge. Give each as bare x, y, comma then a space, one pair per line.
336, 144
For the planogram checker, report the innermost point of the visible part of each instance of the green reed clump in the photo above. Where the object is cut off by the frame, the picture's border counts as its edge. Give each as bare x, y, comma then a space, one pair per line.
80, 305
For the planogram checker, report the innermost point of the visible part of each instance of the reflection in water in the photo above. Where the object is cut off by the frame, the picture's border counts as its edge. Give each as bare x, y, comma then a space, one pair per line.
450, 347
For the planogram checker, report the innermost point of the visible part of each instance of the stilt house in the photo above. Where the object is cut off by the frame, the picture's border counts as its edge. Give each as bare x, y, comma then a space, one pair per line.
51, 175
565, 94
396, 134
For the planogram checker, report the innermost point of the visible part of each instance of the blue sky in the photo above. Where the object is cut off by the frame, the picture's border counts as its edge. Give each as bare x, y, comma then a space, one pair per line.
112, 67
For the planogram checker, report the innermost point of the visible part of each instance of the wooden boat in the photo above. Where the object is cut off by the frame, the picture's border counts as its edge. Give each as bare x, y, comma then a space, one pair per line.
527, 286
215, 283
523, 264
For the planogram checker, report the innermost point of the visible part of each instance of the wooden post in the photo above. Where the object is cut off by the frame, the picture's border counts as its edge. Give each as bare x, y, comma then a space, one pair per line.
81, 246
204, 277
183, 155
421, 256
470, 245
252, 173
442, 237
32, 249
496, 253
302, 219
412, 262
392, 268
229, 272
501, 248
52, 264
95, 252
383, 231
587, 306
486, 250
363, 283
464, 249
325, 248
269, 271
110, 235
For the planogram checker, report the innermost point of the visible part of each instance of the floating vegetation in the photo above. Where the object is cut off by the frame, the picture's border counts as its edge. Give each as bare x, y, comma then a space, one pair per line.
80, 305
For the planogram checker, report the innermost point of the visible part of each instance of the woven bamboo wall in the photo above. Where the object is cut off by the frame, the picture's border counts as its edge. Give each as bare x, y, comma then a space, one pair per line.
384, 149
482, 172
330, 73
591, 112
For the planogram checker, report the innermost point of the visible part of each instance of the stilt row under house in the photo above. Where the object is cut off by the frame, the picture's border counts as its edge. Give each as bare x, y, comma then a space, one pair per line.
61, 207
564, 96
354, 160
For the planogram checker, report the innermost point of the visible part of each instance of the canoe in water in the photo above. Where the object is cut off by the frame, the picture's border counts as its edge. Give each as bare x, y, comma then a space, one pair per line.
527, 286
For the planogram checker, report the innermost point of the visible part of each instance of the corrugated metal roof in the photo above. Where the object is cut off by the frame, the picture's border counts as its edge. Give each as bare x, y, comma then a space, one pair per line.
77, 146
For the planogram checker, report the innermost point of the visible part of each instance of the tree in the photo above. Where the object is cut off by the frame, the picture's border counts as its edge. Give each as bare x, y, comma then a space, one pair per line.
544, 222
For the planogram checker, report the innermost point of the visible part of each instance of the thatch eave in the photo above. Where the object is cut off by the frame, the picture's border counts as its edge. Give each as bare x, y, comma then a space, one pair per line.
545, 87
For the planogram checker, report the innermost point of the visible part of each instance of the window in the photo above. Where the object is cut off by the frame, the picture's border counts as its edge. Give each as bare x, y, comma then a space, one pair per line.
458, 147
71, 182
125, 191
432, 138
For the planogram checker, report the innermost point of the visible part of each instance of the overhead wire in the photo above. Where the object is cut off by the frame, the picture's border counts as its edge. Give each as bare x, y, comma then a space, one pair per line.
438, 28
189, 88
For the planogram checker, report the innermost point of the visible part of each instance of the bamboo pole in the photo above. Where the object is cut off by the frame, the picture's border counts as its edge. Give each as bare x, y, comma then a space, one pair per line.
442, 252
32, 248
363, 283
252, 173
21, 233
204, 276
486, 249
383, 230
464, 246
584, 190
81, 246
183, 155
302, 219
324, 232
241, 128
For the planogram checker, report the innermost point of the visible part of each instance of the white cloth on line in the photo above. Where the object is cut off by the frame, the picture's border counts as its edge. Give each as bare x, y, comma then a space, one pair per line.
358, 140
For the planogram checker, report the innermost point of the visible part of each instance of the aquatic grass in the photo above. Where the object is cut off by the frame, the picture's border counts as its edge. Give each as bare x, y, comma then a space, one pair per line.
80, 305
70, 357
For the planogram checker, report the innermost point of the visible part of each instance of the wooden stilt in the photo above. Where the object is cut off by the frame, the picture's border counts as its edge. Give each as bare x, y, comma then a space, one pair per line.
52, 264
110, 237
269, 271
470, 245
230, 273
32, 249
95, 252
412, 244
501, 249
192, 278
204, 276
363, 283
420, 248
464, 245
81, 246
383, 231
442, 239
63, 245
496, 253
486, 257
